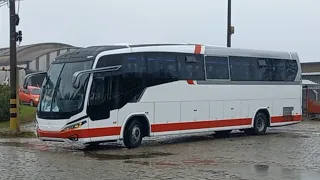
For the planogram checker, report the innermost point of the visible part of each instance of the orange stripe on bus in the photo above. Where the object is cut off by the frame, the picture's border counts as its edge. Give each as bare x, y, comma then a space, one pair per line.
280, 119
190, 82
199, 125
197, 49
82, 133
110, 131
114, 131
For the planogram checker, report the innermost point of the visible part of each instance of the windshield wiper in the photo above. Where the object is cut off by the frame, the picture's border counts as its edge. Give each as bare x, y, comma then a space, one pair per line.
54, 96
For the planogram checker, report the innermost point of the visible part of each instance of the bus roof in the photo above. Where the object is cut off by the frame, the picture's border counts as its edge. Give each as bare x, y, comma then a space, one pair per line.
91, 52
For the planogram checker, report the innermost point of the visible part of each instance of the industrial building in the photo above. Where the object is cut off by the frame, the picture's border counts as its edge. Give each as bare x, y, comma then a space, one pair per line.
311, 71
311, 90
31, 58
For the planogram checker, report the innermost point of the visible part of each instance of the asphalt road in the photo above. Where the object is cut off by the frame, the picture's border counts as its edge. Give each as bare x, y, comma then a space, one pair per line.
291, 152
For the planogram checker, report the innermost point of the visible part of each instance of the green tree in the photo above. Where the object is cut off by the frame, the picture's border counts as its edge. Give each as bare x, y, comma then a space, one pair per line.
4, 103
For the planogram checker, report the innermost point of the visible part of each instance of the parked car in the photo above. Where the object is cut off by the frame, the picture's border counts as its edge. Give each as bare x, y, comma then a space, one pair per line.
30, 95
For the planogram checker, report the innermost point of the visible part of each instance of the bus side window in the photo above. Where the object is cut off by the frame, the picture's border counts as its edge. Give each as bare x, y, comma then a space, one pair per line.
241, 68
191, 66
161, 65
110, 60
97, 95
98, 107
133, 63
279, 73
262, 69
161, 68
292, 70
217, 67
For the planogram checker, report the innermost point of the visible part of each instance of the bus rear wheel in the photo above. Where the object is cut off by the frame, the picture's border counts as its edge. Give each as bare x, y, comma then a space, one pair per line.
260, 125
133, 135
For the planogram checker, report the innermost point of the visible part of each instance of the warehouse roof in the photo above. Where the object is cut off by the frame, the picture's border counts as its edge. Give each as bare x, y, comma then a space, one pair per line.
311, 74
308, 82
30, 52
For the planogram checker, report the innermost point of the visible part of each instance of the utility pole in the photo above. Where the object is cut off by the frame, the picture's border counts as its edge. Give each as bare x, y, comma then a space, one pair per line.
14, 126
230, 28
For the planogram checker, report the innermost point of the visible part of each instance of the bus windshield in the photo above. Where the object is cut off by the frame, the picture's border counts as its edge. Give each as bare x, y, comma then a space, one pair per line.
58, 95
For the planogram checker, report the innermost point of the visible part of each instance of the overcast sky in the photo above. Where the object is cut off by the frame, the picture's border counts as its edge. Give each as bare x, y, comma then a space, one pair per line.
285, 25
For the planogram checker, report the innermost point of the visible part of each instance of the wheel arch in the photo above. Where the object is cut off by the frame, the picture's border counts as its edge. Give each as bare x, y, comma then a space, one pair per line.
265, 111
143, 120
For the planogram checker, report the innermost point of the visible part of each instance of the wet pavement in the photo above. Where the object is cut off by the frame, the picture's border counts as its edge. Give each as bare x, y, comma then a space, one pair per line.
291, 152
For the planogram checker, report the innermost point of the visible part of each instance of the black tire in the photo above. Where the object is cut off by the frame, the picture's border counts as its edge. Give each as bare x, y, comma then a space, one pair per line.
225, 133
133, 135
259, 126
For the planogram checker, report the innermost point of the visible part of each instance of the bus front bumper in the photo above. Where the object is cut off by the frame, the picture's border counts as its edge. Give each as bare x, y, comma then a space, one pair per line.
78, 136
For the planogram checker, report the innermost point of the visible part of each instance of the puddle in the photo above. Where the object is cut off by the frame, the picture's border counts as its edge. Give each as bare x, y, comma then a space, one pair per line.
263, 171
16, 144
100, 156
292, 135
261, 167
41, 146
95, 154
103, 146
145, 163
173, 163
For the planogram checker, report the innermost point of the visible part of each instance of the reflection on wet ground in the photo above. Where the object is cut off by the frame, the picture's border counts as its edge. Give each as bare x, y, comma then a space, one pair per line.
144, 155
290, 152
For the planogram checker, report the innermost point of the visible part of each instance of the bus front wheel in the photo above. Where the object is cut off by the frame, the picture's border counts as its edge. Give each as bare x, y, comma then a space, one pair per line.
133, 135
260, 125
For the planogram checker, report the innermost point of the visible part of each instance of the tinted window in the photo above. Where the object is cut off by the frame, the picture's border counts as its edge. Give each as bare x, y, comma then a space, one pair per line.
262, 69
217, 67
292, 69
279, 70
110, 60
134, 63
98, 91
191, 66
162, 65
100, 99
241, 68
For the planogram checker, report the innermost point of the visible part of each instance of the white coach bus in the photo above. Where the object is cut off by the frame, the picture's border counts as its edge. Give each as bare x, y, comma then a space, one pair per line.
127, 92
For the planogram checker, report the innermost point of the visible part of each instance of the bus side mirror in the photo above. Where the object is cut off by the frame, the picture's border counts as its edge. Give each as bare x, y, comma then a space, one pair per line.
76, 76
75, 79
29, 76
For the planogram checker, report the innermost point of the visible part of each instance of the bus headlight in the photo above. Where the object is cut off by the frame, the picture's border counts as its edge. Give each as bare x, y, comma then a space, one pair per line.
36, 99
74, 126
